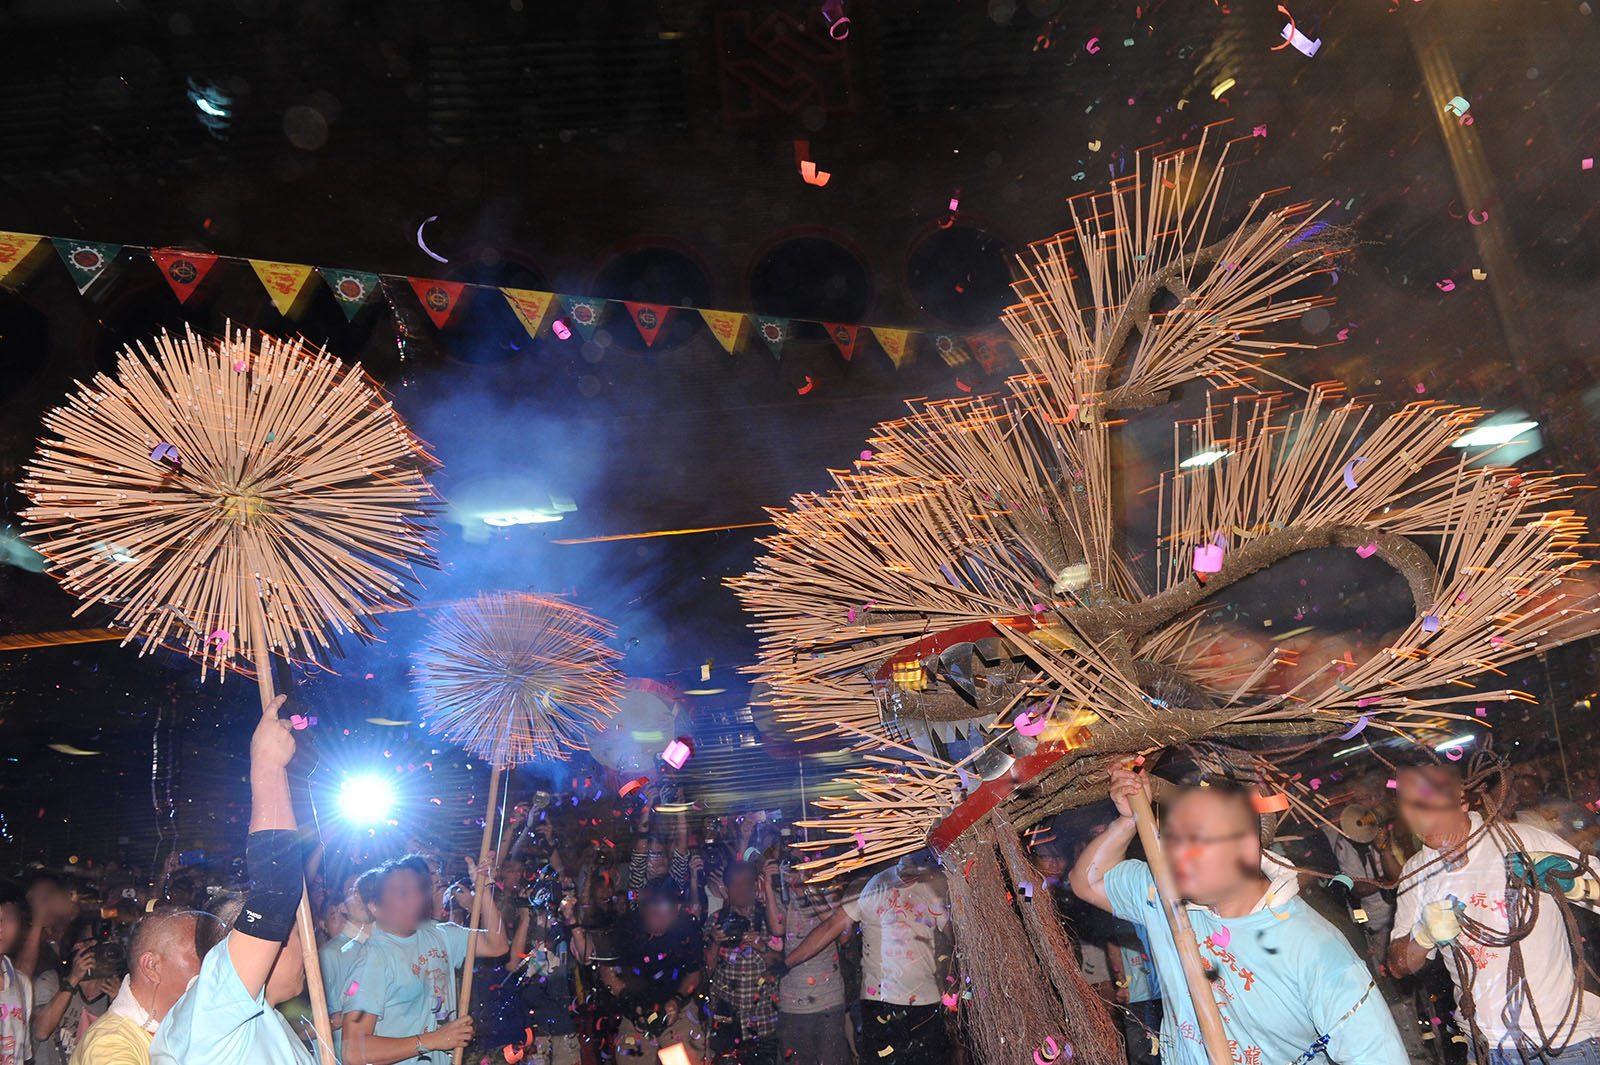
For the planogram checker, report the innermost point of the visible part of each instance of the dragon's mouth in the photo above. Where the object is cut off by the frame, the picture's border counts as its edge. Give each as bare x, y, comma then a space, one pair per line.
965, 696
960, 695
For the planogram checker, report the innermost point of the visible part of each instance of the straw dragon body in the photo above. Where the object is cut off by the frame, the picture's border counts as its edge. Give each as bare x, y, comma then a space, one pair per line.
962, 602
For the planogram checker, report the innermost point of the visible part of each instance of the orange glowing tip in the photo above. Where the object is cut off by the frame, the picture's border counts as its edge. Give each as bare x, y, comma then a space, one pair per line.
662, 532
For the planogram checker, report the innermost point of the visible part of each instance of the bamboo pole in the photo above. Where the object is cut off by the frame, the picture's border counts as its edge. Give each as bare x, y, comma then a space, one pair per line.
464, 1004
303, 922
1194, 970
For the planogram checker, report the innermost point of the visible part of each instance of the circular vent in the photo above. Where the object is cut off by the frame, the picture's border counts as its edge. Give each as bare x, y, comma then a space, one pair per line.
487, 330
811, 277
658, 274
960, 276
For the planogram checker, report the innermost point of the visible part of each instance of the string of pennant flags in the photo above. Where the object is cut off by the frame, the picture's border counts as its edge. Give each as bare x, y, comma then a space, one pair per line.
286, 285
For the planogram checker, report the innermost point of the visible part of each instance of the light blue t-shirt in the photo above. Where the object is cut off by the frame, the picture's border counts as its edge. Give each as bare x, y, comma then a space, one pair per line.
409, 982
338, 957
1133, 949
217, 1023
1285, 977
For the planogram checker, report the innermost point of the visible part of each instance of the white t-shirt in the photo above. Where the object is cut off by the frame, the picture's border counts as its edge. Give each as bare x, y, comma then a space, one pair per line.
16, 1010
899, 919
1481, 884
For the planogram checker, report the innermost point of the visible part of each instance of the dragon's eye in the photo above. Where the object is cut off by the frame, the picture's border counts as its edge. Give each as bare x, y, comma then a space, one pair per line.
910, 676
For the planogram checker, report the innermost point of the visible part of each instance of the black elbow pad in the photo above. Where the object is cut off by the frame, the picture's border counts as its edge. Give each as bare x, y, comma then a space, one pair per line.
273, 861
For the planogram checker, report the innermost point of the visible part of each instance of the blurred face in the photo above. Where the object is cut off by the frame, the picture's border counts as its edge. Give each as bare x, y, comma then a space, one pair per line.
51, 904
1433, 804
510, 874
402, 902
1214, 846
741, 886
1051, 864
656, 859
659, 916
11, 926
1524, 794
919, 865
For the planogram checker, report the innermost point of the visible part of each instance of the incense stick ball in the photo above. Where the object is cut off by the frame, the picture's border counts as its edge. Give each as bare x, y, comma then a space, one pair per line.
513, 677
212, 473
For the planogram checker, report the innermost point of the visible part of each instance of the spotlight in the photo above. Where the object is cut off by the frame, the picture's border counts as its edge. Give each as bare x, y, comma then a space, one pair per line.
1205, 458
214, 107
366, 800
1491, 435
502, 519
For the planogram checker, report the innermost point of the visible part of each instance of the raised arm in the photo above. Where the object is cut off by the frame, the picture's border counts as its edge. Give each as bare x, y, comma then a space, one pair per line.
772, 897
519, 940
50, 907
1088, 876
288, 977
820, 939
492, 942
272, 856
47, 1012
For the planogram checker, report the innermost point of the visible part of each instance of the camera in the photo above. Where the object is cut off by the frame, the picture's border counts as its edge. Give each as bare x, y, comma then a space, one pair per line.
110, 961
734, 927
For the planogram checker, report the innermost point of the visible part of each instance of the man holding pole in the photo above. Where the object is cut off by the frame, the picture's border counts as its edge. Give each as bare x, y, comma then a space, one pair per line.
1469, 894
402, 989
228, 1014
1287, 985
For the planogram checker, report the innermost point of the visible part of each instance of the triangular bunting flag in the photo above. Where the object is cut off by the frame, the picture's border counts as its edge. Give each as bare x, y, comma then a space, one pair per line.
950, 349
438, 298
528, 306
649, 317
991, 351
183, 269
725, 326
584, 314
844, 336
86, 259
352, 288
284, 282
774, 331
895, 344
15, 247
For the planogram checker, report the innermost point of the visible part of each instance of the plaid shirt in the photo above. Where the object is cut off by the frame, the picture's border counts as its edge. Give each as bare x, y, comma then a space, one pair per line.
741, 981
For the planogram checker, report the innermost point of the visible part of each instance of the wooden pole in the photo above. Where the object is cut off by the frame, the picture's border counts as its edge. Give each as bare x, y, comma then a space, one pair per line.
303, 923
464, 1005
1194, 970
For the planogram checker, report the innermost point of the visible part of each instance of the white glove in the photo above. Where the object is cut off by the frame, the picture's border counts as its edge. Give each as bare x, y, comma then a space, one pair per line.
1440, 923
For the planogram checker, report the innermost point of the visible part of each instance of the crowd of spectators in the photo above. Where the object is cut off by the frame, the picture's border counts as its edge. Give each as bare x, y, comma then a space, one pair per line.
637, 931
